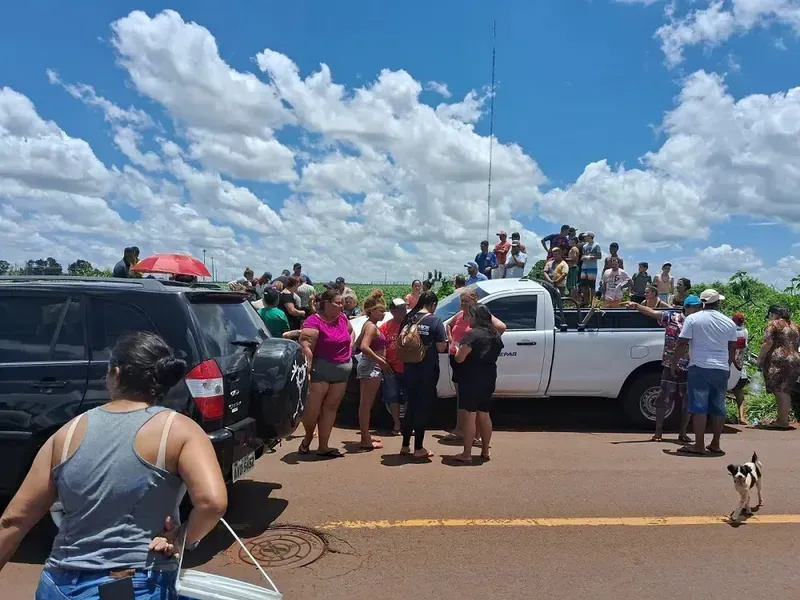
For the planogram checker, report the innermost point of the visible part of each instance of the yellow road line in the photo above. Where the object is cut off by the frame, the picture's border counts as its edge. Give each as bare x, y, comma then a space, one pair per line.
562, 522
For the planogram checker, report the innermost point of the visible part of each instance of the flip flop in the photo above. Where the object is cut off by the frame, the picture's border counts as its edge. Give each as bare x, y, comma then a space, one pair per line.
486, 457
396, 432
303, 449
428, 454
461, 459
657, 438
685, 439
330, 453
687, 451
375, 445
715, 451
775, 427
451, 437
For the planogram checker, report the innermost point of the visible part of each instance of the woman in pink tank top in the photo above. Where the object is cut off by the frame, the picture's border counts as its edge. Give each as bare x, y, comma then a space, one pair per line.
327, 342
371, 365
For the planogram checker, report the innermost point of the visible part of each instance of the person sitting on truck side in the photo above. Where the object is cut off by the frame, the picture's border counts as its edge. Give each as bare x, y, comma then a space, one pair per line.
641, 279
422, 377
478, 353
682, 289
371, 365
673, 386
613, 284
119, 471
459, 326
274, 318
558, 272
327, 343
651, 299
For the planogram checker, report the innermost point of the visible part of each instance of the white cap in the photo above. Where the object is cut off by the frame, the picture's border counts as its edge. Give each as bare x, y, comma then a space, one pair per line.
711, 297
398, 303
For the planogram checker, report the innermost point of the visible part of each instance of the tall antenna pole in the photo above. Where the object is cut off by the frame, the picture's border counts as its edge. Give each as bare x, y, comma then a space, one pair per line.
491, 132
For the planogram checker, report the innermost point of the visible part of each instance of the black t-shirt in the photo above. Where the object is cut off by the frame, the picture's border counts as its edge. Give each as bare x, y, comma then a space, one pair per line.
431, 332
486, 348
122, 269
285, 298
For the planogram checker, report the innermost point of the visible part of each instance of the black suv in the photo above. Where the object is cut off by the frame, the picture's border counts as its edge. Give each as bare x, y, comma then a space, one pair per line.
245, 389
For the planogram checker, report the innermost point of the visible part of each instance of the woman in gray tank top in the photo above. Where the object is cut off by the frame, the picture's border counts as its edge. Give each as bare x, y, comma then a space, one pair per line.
120, 472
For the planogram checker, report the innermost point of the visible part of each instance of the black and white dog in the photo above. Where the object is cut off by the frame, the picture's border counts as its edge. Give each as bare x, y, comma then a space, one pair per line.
745, 478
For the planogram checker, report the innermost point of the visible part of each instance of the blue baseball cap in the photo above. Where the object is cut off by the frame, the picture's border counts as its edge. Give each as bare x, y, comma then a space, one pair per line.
692, 301
471, 264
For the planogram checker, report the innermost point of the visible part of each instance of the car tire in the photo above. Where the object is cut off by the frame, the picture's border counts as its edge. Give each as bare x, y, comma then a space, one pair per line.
640, 403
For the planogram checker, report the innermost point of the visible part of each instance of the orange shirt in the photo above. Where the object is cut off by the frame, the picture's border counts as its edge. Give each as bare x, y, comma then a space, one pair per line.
458, 330
390, 329
411, 301
501, 250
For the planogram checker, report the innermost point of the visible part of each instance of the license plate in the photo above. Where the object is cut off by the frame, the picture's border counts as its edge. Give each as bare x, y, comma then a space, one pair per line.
243, 466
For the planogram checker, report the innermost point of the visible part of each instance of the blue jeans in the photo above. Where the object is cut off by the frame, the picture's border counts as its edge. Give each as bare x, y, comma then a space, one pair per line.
393, 388
58, 584
707, 389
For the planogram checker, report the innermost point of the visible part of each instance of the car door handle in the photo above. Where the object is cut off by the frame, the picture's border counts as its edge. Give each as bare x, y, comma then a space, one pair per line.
49, 384
526, 343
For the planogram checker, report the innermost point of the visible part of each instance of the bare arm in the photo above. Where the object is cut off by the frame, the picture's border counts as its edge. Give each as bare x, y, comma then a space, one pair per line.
463, 353
499, 325
645, 310
293, 311
199, 470
370, 333
31, 502
680, 351
308, 342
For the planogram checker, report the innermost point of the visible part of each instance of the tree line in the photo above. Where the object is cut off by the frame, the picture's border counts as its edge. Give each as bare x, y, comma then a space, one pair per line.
50, 266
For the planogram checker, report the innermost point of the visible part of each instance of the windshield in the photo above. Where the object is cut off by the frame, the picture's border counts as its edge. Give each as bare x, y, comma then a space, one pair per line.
223, 323
452, 303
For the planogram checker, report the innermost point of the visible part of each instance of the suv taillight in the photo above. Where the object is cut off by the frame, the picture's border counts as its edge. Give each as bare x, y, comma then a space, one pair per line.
206, 387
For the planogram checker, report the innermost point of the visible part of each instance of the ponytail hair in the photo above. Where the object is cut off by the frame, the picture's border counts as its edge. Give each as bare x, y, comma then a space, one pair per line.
425, 299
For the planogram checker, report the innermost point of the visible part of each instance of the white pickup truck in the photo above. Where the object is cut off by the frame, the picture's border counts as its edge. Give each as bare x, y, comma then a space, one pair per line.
554, 349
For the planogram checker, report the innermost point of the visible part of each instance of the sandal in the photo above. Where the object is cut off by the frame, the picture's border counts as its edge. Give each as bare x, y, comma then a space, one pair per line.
657, 438
715, 451
462, 459
451, 437
427, 454
685, 439
304, 448
689, 450
486, 457
375, 445
396, 432
330, 453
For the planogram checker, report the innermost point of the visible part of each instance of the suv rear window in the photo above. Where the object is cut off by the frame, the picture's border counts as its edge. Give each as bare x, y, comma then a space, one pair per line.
223, 322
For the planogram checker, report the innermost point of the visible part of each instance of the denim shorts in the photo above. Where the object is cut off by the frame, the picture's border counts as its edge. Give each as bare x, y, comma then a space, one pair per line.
393, 388
367, 368
58, 584
707, 389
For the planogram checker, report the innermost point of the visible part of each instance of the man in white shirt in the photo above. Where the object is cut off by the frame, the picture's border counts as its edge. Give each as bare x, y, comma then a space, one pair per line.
712, 337
515, 263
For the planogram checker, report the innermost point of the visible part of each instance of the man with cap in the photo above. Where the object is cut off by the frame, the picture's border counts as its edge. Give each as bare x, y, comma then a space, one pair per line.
515, 263
342, 287
710, 339
501, 250
590, 255
673, 385
474, 275
515, 237
556, 240
487, 261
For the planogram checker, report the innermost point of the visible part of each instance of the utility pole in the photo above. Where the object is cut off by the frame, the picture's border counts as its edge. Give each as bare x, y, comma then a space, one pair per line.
213, 275
491, 133
204, 257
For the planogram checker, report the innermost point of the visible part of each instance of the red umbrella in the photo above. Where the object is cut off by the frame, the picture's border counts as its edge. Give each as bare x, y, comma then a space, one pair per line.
174, 264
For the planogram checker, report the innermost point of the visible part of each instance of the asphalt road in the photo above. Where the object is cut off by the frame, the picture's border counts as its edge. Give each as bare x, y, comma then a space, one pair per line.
563, 514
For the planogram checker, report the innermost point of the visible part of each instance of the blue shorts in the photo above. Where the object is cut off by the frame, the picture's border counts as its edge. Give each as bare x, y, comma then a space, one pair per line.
393, 388
707, 389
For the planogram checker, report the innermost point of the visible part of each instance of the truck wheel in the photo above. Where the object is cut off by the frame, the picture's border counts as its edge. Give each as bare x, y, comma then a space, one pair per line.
640, 403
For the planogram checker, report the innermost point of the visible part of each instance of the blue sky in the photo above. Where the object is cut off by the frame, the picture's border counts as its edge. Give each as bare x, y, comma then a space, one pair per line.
577, 82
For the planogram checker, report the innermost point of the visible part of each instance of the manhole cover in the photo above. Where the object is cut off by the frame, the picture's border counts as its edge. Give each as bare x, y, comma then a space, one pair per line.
284, 548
